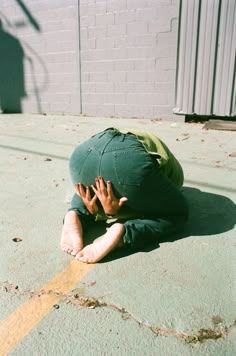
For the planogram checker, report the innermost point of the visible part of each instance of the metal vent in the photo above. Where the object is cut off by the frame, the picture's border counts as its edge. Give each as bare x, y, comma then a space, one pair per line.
205, 78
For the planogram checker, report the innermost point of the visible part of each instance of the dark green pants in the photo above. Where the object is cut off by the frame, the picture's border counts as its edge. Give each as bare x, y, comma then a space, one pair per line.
158, 206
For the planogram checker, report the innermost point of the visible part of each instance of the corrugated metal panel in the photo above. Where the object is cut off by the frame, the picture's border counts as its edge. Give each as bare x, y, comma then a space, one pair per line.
205, 83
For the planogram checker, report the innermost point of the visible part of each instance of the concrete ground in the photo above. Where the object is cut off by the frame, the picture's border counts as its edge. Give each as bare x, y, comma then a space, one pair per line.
178, 298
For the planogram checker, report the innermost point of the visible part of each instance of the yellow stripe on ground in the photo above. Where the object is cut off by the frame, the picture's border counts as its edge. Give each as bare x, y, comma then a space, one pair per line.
18, 324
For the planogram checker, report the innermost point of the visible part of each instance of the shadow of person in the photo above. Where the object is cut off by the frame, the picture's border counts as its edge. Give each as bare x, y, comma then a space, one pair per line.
12, 85
209, 214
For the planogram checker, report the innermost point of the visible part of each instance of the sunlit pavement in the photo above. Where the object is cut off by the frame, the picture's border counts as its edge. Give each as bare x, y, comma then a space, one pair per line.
178, 298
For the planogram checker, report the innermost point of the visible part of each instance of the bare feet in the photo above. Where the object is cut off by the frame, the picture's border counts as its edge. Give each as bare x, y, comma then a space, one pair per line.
71, 239
103, 245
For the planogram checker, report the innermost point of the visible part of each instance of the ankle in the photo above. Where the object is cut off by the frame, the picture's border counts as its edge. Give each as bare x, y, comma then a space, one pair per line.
71, 217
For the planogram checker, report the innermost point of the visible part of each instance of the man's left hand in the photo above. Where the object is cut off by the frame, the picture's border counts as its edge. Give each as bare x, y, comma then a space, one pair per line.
110, 203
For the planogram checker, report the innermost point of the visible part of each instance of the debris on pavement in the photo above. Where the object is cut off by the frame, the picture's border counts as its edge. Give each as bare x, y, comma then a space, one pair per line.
17, 239
185, 136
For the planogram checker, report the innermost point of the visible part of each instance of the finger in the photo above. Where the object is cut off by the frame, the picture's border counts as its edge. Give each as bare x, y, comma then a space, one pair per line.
109, 189
98, 187
81, 190
101, 184
122, 201
78, 189
97, 183
88, 196
95, 190
94, 198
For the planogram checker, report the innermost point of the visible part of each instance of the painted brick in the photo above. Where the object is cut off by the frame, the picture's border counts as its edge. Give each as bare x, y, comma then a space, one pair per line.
115, 98
166, 63
97, 66
125, 41
94, 98
124, 65
166, 51
135, 4
143, 87
146, 40
127, 62
114, 5
87, 9
105, 42
125, 17
98, 77
164, 38
146, 15
88, 21
96, 32
144, 64
116, 77
159, 26
152, 3
105, 19
137, 76
140, 52
116, 30
90, 43
123, 87
147, 98
106, 87
137, 28
160, 75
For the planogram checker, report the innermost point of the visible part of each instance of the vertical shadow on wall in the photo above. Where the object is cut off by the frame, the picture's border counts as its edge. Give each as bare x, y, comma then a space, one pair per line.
12, 84
12, 56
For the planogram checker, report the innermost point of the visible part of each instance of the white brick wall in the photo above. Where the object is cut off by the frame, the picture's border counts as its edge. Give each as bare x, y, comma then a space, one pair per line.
52, 82
128, 55
128, 50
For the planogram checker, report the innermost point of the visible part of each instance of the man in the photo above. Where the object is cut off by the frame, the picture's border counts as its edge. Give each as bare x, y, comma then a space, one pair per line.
127, 175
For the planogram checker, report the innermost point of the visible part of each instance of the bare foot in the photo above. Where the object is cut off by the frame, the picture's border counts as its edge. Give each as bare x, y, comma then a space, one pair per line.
71, 239
103, 245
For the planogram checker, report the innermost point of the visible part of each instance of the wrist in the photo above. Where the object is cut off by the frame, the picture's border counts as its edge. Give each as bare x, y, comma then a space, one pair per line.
110, 212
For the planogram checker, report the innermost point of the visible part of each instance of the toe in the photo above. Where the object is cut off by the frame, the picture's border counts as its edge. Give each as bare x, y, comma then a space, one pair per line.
74, 252
83, 259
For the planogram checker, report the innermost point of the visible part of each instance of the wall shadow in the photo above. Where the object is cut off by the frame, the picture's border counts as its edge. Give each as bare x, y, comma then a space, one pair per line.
210, 214
12, 84
12, 57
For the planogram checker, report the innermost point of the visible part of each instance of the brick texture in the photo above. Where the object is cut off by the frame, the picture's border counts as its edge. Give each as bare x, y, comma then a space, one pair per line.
107, 58
48, 33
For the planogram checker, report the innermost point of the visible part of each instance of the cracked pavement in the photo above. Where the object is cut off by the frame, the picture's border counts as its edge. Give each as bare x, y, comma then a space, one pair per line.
177, 298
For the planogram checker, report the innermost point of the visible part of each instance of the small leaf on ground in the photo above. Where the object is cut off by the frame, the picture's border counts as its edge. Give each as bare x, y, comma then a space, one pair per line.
17, 239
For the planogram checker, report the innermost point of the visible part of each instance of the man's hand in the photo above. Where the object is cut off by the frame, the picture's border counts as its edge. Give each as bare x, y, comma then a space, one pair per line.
85, 195
104, 192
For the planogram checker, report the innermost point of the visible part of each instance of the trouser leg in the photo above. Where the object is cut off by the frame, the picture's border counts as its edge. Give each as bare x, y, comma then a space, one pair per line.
139, 233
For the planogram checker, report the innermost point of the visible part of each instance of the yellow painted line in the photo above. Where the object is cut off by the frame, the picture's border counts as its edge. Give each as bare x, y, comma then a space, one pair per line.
18, 324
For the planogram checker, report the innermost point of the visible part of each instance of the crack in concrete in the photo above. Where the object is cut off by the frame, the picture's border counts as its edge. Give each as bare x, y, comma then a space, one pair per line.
77, 299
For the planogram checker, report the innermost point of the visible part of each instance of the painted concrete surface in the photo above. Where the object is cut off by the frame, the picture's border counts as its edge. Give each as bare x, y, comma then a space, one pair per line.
162, 301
